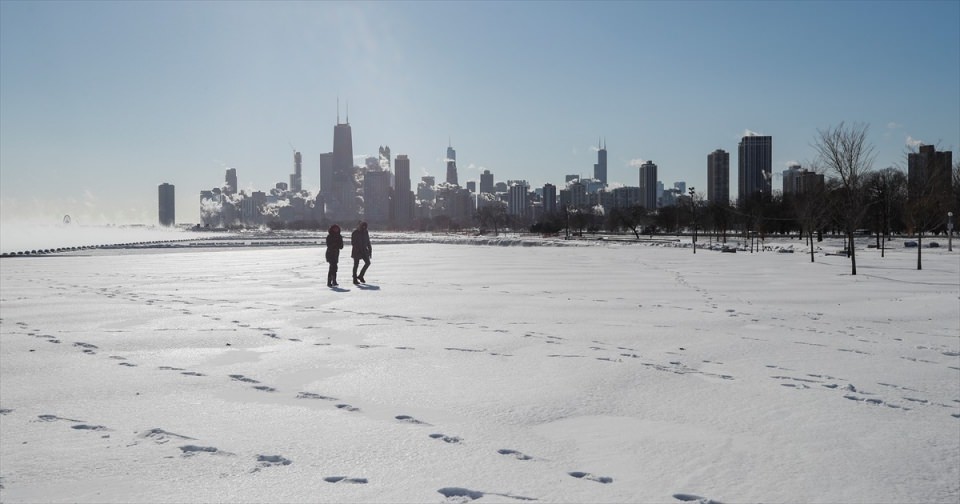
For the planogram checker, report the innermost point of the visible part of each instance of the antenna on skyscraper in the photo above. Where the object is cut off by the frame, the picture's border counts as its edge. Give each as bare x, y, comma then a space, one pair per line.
338, 109
348, 112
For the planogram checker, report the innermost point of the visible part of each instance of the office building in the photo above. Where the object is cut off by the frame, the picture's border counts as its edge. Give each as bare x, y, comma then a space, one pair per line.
517, 204
929, 174
755, 167
486, 182
296, 179
167, 204
452, 166
549, 198
230, 186
402, 194
600, 169
648, 185
718, 177
791, 179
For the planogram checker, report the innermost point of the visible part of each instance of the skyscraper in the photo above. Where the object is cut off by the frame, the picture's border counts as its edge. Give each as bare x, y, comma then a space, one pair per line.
342, 204
167, 204
928, 174
648, 185
486, 182
296, 180
231, 182
755, 167
600, 169
376, 196
385, 157
451, 166
791, 179
549, 198
402, 195
518, 199
718, 177
326, 174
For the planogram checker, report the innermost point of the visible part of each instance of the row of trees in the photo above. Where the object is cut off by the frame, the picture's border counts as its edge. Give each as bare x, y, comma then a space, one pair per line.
854, 198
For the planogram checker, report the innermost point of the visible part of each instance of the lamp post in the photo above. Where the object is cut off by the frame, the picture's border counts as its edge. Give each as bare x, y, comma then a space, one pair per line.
949, 231
693, 209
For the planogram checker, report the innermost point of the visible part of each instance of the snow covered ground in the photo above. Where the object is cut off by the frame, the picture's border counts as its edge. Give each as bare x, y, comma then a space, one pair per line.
603, 372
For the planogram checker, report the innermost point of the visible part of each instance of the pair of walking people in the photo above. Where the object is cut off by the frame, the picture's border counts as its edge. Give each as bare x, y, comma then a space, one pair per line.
361, 251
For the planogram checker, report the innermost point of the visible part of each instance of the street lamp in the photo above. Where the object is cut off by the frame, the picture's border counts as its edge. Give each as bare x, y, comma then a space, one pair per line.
693, 209
949, 231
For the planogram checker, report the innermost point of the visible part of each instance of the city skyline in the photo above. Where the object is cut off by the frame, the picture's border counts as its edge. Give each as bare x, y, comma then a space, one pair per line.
108, 100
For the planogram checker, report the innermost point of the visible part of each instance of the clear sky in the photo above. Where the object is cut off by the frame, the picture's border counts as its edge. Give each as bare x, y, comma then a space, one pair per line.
100, 102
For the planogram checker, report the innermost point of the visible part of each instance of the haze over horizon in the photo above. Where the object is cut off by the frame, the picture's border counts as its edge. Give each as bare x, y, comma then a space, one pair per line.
100, 102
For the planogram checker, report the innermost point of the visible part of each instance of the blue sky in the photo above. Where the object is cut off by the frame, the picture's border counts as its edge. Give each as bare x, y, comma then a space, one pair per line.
100, 102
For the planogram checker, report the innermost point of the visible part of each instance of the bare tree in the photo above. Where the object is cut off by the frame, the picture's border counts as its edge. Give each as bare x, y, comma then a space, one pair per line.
844, 151
886, 190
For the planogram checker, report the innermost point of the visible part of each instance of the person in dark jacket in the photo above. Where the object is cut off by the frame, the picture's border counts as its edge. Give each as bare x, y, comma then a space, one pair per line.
334, 244
360, 243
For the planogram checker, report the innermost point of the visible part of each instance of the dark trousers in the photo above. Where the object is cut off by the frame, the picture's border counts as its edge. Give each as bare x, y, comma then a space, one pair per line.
356, 263
332, 274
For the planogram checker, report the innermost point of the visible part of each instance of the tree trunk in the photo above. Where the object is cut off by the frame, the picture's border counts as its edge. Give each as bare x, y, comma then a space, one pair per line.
853, 255
919, 248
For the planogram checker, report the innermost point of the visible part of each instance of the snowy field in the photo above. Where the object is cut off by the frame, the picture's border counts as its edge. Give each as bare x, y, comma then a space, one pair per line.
595, 373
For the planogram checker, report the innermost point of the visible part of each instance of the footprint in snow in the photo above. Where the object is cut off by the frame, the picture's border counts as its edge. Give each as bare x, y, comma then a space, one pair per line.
591, 477
694, 498
344, 479
515, 454
446, 439
161, 436
191, 450
240, 377
464, 495
264, 461
409, 419
311, 395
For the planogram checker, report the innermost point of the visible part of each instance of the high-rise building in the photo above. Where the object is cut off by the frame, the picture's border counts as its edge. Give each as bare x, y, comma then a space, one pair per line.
791, 179
549, 198
486, 182
718, 177
809, 181
648, 185
296, 180
230, 180
385, 157
518, 199
326, 174
167, 204
402, 195
600, 169
451, 166
755, 167
376, 196
342, 204
929, 174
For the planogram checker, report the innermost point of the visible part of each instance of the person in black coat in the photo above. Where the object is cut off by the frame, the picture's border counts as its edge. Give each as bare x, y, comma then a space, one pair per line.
334, 244
361, 250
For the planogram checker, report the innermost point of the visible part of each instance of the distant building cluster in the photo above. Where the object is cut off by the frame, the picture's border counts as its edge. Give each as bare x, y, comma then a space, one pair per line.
380, 191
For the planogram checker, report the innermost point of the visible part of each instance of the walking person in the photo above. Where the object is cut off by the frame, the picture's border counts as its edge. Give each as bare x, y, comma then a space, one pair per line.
334, 244
361, 250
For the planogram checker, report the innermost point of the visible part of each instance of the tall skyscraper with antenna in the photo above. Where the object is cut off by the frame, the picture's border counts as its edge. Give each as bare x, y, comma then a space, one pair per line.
343, 204
600, 169
296, 179
451, 165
